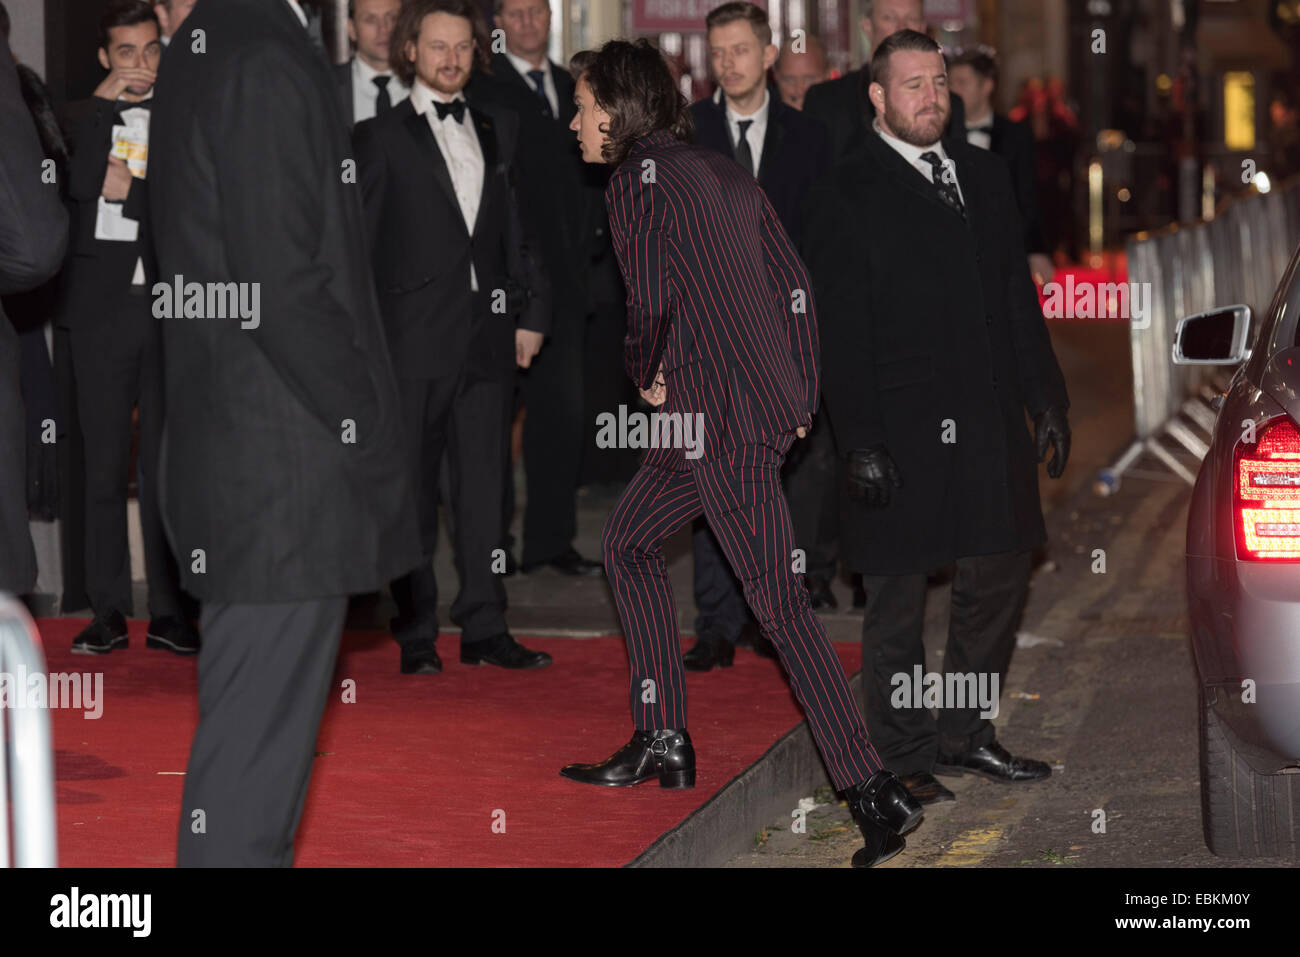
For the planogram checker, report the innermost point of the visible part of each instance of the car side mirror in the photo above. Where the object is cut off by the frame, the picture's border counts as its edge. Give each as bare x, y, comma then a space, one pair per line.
1214, 338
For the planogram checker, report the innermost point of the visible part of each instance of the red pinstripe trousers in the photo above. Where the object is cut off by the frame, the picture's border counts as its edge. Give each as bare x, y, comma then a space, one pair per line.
740, 495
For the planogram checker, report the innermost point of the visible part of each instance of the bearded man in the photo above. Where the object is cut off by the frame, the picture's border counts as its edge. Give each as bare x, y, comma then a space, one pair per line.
934, 350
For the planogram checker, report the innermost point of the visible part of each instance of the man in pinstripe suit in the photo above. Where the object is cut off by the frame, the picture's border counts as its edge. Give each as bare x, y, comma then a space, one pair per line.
720, 325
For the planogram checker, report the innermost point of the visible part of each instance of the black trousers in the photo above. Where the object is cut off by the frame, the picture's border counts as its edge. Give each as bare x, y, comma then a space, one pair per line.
988, 596
463, 421
118, 367
554, 438
264, 678
811, 481
740, 495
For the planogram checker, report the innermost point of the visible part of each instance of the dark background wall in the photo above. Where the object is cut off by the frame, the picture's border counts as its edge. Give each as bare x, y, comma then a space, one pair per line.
71, 39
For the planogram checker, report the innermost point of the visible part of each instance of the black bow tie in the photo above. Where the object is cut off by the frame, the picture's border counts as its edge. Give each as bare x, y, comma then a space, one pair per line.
981, 129
123, 105
455, 108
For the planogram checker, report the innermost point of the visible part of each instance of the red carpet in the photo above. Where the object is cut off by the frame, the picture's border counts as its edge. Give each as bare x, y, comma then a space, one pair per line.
416, 772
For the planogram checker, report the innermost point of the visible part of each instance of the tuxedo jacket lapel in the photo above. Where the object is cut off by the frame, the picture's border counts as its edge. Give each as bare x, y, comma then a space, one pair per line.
417, 124
995, 135
487, 142
564, 93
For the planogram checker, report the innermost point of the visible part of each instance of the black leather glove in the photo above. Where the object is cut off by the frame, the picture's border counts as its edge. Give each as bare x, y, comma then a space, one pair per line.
872, 473
1052, 427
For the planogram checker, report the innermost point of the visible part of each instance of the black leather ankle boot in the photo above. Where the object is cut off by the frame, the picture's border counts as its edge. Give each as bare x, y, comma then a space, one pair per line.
666, 754
884, 811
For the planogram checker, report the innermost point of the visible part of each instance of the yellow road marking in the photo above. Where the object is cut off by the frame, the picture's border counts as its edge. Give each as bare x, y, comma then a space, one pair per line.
969, 848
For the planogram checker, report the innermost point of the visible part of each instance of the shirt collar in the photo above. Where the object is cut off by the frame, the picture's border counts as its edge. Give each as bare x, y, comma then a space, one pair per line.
423, 97
297, 9
909, 152
522, 66
366, 73
759, 116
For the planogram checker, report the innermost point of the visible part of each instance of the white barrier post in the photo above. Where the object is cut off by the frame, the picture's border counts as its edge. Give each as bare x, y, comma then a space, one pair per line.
30, 755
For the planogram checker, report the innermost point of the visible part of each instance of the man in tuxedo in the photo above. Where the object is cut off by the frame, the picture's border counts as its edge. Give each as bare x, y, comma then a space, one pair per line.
33, 236
786, 152
284, 484
720, 330
973, 75
366, 83
453, 270
935, 350
115, 339
171, 14
555, 203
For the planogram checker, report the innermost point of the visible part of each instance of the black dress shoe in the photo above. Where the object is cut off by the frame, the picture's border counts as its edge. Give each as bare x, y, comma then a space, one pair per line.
569, 563
926, 788
859, 592
503, 651
667, 755
750, 637
820, 594
421, 658
709, 650
993, 762
884, 812
102, 635
172, 634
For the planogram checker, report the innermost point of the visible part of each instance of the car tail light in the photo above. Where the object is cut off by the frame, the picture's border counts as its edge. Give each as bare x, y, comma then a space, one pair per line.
1267, 499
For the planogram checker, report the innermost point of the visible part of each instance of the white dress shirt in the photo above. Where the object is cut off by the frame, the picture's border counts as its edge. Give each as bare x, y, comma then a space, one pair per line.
979, 133
756, 132
365, 94
293, 5
458, 143
548, 81
913, 156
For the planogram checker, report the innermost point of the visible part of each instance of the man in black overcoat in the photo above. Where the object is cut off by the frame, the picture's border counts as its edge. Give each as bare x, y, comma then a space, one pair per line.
934, 350
284, 484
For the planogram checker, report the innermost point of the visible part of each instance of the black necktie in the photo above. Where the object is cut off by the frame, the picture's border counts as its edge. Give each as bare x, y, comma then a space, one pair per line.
455, 108
947, 190
539, 82
383, 102
744, 155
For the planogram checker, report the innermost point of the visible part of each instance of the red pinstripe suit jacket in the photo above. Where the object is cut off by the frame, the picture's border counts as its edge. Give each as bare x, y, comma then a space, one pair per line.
715, 292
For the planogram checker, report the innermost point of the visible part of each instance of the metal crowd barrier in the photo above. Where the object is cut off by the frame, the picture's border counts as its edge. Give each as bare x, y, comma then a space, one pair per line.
1237, 257
26, 758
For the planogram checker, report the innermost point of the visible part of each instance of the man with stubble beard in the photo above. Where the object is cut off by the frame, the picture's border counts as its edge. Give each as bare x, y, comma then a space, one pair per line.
935, 350
465, 303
